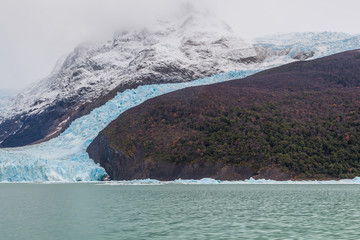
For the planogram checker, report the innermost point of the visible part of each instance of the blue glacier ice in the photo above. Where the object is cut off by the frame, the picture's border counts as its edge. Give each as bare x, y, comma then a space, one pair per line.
65, 158
322, 43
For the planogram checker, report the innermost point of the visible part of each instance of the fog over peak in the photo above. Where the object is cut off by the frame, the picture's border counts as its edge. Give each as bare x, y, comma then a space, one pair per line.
34, 34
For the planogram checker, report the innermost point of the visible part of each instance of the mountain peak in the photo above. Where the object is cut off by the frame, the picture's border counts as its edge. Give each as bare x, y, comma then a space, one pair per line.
205, 23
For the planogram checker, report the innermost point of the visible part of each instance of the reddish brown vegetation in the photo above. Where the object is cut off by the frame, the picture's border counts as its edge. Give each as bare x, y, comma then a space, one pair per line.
301, 118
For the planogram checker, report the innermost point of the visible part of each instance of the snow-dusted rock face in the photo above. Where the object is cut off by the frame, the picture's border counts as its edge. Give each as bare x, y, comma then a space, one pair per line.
193, 48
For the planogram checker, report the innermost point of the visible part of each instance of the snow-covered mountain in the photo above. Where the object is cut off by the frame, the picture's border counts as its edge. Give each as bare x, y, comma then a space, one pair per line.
172, 51
193, 47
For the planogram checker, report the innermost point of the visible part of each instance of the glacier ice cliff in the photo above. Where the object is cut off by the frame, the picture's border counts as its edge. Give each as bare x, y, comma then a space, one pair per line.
64, 158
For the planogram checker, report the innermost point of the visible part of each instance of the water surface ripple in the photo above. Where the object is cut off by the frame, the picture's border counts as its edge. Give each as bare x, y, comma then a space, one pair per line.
100, 211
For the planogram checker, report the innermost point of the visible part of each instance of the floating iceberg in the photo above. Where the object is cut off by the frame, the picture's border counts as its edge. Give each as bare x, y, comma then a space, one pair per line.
64, 158
210, 181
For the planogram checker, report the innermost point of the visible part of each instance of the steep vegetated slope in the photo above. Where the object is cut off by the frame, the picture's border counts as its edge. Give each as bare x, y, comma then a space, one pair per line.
297, 121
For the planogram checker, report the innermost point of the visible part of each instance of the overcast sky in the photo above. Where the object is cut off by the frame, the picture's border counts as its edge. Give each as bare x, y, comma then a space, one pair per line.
35, 33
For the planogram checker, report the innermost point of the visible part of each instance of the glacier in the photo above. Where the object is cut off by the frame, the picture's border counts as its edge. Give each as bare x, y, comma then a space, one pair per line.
64, 158
322, 43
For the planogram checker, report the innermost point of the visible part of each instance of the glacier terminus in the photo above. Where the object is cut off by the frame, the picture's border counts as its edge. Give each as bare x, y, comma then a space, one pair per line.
64, 158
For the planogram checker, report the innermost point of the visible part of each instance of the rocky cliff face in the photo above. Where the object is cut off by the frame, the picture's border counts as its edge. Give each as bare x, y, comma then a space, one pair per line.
120, 166
295, 121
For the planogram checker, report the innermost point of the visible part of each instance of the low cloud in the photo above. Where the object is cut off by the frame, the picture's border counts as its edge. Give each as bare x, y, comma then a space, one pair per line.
34, 34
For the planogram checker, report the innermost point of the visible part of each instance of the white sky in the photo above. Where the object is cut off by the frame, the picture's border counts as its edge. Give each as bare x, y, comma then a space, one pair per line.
35, 33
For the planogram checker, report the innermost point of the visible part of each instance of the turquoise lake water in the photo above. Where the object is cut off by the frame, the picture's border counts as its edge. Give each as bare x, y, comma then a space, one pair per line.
175, 211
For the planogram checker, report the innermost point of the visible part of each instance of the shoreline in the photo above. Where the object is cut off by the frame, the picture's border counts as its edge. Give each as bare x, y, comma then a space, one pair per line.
204, 181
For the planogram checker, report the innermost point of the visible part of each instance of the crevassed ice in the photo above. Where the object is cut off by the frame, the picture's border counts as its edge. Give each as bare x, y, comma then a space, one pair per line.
65, 158
323, 43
